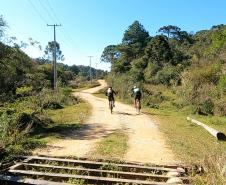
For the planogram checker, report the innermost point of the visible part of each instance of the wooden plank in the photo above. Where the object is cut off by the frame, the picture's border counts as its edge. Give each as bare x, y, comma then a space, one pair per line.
9, 179
98, 172
94, 163
27, 159
88, 179
17, 166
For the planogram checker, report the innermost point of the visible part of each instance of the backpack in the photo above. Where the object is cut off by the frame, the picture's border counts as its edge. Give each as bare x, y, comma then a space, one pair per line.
109, 92
137, 92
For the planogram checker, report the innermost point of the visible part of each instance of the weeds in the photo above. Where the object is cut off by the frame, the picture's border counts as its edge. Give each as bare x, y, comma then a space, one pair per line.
214, 171
113, 146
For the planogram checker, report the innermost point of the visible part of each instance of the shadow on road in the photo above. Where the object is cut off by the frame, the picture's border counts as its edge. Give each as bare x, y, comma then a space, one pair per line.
125, 113
75, 131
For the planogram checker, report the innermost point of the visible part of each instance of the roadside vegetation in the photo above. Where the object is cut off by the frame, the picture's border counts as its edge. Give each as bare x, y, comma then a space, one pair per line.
111, 147
31, 113
181, 74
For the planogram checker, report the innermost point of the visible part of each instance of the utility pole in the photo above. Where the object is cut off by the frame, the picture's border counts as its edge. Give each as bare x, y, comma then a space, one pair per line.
54, 57
90, 70
96, 71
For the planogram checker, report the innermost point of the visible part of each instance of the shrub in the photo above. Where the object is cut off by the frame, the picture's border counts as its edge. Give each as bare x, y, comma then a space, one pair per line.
220, 108
206, 107
24, 91
168, 75
222, 83
12, 129
214, 171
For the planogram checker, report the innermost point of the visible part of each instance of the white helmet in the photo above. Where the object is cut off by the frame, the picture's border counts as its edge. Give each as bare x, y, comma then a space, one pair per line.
134, 87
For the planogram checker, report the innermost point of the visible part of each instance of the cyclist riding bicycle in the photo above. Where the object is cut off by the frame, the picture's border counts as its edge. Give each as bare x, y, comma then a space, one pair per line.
110, 94
136, 92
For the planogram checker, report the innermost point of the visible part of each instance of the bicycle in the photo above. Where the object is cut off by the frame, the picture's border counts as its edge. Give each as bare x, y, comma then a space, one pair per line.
111, 105
138, 106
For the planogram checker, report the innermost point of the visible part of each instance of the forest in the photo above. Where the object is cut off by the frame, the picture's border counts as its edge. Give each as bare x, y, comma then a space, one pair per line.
26, 91
173, 68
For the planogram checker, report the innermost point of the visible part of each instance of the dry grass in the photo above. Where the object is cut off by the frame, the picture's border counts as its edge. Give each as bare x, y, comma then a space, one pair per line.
215, 171
113, 146
70, 114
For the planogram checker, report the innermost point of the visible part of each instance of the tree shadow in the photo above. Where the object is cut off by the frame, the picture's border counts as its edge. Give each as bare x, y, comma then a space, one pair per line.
86, 131
155, 114
125, 113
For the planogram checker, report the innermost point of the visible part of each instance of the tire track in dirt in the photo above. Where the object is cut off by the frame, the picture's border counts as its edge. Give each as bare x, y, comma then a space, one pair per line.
146, 142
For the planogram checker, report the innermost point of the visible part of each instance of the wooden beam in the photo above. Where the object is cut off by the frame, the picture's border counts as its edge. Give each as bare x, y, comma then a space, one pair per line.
99, 172
94, 164
88, 179
16, 180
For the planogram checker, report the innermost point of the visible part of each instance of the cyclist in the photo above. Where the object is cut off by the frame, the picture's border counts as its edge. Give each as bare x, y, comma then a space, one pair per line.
110, 94
136, 92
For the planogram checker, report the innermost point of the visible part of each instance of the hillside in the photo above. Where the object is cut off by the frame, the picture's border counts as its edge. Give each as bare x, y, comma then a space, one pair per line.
172, 64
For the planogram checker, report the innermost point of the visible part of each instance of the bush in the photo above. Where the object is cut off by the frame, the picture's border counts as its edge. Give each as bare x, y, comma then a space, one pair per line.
220, 108
168, 75
13, 127
153, 99
24, 91
214, 171
206, 107
222, 84
52, 105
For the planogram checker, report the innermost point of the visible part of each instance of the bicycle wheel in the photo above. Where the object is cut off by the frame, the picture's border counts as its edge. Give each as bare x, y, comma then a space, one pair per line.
111, 106
138, 107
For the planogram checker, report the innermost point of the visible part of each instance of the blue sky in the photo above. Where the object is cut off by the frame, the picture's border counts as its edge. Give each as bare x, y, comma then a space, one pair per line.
90, 25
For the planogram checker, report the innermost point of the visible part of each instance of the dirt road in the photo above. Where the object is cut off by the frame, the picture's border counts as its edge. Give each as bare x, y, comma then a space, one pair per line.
146, 143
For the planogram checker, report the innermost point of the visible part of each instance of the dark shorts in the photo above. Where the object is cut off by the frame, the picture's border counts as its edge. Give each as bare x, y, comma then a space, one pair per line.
111, 98
137, 97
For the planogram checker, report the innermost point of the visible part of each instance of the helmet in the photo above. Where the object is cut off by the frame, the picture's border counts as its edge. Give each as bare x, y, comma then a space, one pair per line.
134, 87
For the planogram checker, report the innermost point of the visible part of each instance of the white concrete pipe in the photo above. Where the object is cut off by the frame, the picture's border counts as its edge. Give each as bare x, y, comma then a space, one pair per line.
219, 135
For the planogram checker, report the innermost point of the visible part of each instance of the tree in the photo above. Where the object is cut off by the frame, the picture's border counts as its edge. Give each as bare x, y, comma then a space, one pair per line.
170, 30
158, 50
110, 54
2, 26
134, 40
50, 50
135, 33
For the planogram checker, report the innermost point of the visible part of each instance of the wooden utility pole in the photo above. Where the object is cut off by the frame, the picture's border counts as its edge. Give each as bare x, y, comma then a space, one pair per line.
54, 57
96, 71
90, 69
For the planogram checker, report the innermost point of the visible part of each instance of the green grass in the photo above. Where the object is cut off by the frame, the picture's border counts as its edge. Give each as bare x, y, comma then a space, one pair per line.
70, 114
86, 85
62, 121
113, 146
191, 143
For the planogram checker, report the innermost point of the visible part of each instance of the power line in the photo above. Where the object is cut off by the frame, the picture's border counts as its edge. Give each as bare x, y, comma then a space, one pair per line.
53, 16
56, 17
64, 33
53, 12
37, 11
46, 10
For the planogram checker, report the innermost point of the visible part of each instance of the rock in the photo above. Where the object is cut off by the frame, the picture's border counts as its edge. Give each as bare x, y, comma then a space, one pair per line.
174, 180
173, 174
181, 170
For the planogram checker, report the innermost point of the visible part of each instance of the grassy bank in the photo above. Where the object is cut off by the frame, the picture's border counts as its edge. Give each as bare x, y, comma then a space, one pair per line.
62, 121
32, 121
113, 146
191, 143
84, 85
